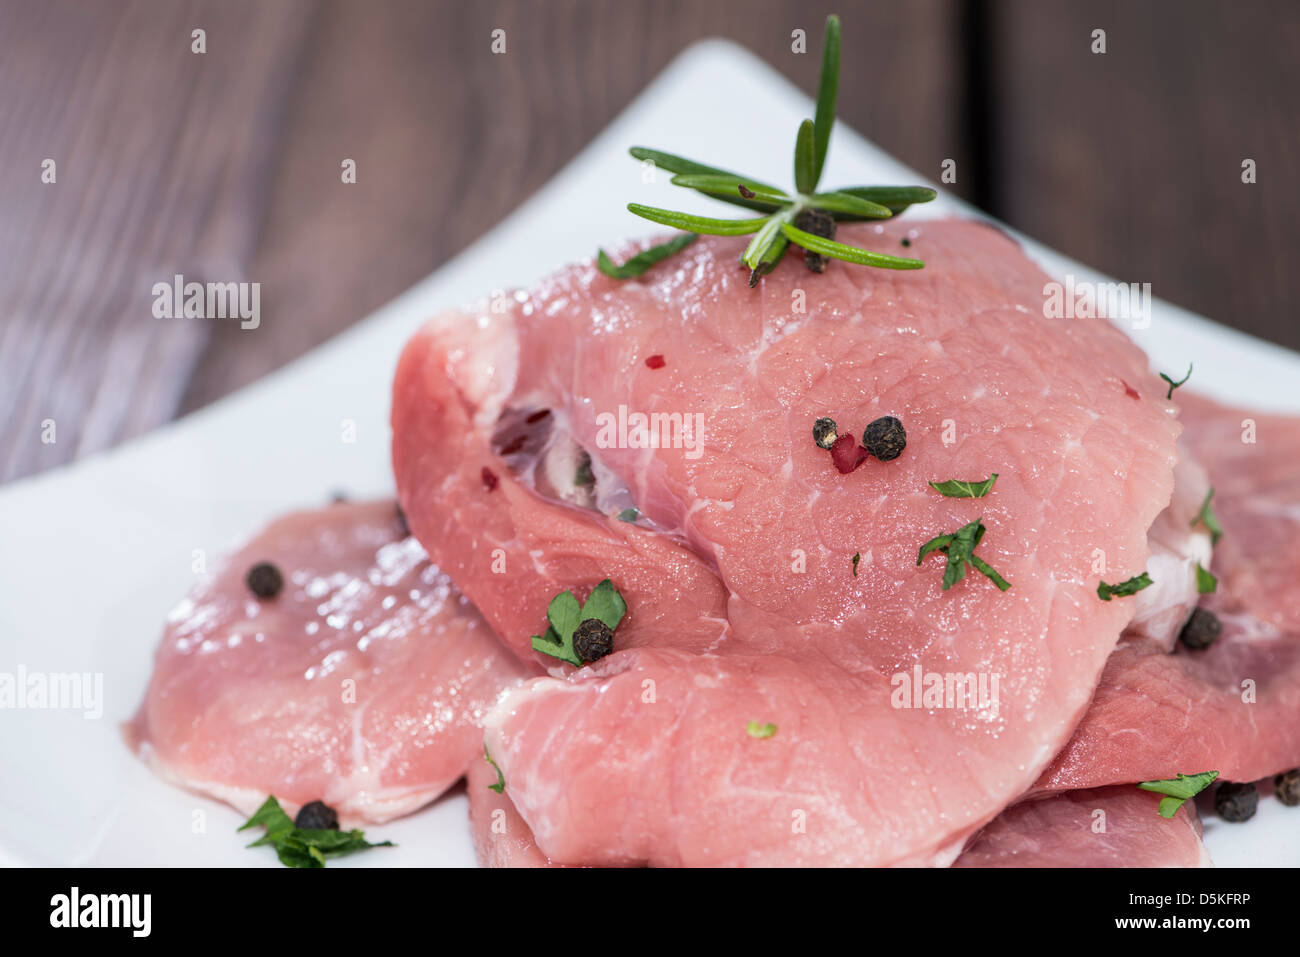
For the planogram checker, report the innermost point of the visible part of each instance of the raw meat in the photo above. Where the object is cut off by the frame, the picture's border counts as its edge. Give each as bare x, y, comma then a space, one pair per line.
362, 684
1234, 707
1178, 545
1108, 827
501, 838
1254, 464
743, 605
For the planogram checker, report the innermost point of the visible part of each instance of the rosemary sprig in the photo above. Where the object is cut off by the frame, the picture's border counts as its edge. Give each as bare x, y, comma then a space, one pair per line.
775, 229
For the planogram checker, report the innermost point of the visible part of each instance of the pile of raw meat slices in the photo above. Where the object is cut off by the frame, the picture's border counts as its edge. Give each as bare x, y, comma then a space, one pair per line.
757, 706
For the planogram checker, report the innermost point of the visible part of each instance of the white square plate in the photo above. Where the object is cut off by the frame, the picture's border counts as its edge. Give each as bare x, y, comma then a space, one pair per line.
94, 555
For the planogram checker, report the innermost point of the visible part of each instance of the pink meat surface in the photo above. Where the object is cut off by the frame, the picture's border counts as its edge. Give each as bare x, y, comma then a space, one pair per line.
363, 684
1107, 827
1254, 466
501, 838
742, 602
1234, 707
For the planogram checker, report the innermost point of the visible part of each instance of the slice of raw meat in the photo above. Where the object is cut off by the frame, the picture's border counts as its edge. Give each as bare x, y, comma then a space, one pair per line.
513, 549
1234, 707
1107, 827
363, 684
501, 838
739, 579
1254, 464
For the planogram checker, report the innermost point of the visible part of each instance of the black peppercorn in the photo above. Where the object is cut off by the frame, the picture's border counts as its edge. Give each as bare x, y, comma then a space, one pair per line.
885, 438
317, 816
593, 639
1287, 787
1236, 802
1202, 630
825, 433
264, 580
819, 224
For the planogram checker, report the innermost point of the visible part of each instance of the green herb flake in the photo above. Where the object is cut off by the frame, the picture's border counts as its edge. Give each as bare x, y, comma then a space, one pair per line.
857, 557
303, 847
583, 477
500, 786
1174, 385
1131, 587
1178, 790
959, 547
1207, 518
629, 515
1206, 583
565, 615
760, 731
956, 488
642, 261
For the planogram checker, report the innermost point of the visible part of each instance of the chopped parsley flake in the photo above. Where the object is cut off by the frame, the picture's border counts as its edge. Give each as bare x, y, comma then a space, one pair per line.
1207, 518
956, 488
302, 847
500, 786
960, 549
1178, 790
565, 615
1131, 587
1174, 385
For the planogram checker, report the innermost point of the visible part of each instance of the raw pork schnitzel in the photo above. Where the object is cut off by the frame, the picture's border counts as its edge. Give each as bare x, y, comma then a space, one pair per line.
743, 602
362, 684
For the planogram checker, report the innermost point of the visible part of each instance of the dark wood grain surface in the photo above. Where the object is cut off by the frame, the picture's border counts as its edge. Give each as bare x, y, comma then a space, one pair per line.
225, 165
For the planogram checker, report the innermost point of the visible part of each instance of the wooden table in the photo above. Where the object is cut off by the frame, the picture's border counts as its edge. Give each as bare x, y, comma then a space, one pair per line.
225, 165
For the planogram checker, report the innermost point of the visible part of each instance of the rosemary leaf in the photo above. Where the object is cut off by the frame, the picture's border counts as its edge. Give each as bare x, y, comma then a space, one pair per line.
863, 257
643, 260
698, 224
682, 166
840, 202
774, 253
897, 198
725, 187
805, 158
827, 93
762, 242
677, 164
